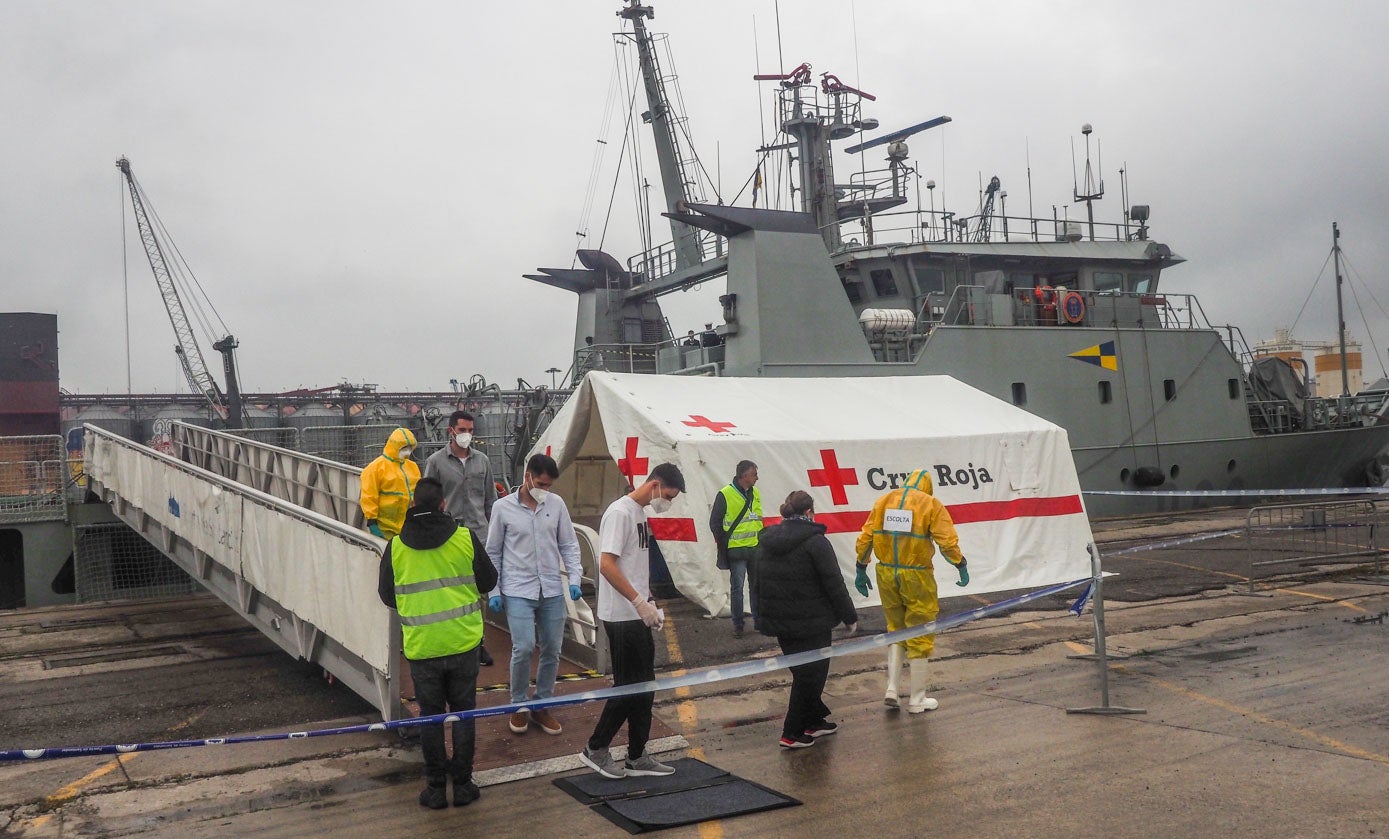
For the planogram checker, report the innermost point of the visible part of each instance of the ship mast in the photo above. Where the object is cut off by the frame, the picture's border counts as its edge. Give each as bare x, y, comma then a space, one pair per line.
1340, 310
663, 126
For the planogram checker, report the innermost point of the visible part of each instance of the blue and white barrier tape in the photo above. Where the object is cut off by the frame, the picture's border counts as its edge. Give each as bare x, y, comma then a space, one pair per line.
703, 676
1236, 493
1174, 543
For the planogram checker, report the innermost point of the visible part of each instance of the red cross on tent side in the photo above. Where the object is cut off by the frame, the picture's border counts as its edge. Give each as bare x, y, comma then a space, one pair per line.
832, 475
632, 466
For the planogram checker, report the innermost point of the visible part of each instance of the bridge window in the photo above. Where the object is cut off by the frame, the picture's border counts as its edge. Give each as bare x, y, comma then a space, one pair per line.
854, 289
883, 284
1110, 281
1140, 283
931, 280
1169, 389
1106, 393
1019, 393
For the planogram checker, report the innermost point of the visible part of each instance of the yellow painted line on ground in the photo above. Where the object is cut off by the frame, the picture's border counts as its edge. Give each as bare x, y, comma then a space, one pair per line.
1250, 713
1080, 648
689, 719
70, 791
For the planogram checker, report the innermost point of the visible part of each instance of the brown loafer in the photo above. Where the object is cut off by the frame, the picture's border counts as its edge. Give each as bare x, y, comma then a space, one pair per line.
547, 722
519, 722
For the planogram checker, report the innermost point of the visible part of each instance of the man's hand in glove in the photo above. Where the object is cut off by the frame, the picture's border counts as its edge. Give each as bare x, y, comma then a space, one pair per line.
964, 573
861, 581
575, 593
495, 603
375, 530
646, 610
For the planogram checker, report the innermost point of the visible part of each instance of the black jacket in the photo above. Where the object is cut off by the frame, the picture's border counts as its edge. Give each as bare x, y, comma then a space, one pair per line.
425, 531
800, 590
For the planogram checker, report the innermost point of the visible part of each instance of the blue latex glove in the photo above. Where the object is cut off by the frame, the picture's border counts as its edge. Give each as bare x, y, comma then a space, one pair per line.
575, 593
964, 574
861, 581
495, 603
376, 530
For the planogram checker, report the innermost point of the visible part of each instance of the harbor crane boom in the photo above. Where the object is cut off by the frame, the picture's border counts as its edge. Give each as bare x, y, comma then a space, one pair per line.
190, 354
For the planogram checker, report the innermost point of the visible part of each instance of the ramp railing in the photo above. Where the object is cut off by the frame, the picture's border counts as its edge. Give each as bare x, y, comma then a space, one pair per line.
1287, 534
304, 579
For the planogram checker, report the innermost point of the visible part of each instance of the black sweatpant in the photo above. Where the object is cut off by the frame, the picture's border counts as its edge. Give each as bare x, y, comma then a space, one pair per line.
634, 660
447, 683
805, 708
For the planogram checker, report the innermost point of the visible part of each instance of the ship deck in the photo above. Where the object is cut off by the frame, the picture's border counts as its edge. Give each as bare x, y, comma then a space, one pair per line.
1253, 703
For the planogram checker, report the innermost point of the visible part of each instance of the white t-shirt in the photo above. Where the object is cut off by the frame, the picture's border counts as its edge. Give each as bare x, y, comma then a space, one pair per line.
624, 534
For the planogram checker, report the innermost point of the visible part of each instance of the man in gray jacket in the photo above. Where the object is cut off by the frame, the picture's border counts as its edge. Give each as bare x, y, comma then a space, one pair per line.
469, 490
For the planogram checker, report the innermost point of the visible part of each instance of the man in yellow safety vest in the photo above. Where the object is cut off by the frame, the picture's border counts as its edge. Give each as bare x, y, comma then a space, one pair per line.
736, 521
432, 575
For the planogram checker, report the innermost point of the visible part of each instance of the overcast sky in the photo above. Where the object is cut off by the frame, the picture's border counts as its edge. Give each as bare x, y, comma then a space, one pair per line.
359, 187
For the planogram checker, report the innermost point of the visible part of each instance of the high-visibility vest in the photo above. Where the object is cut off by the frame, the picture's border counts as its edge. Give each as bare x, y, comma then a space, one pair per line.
745, 534
437, 598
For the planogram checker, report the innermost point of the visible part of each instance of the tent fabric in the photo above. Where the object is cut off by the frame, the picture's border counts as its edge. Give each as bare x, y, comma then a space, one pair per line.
1006, 476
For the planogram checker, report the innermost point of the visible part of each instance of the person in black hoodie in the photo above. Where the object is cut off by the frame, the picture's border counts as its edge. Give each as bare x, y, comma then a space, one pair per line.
801, 597
434, 574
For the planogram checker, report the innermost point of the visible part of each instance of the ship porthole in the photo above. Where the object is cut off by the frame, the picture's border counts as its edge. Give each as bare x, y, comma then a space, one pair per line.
1230, 467
1175, 469
1123, 476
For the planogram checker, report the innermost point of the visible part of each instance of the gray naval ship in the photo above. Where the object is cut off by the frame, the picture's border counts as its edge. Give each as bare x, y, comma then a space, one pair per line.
1068, 319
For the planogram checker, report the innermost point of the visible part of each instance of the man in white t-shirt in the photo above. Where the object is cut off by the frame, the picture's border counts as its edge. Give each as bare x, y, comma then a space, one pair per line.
628, 615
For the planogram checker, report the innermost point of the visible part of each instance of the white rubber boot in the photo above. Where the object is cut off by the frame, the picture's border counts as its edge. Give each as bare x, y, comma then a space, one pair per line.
919, 701
894, 672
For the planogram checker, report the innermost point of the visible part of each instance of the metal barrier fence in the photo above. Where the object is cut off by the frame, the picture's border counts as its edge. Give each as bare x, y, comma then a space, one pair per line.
1286, 534
33, 475
113, 562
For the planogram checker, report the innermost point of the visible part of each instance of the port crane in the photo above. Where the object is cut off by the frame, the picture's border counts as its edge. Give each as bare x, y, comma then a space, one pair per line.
190, 355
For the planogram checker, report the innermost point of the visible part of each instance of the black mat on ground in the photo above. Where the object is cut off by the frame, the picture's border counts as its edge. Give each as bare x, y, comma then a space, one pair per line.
697, 792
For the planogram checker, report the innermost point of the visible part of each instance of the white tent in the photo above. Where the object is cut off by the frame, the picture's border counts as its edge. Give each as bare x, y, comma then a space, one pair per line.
1006, 476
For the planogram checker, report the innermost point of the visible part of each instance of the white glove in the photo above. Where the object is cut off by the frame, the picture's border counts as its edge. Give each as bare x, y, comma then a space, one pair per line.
853, 628
646, 610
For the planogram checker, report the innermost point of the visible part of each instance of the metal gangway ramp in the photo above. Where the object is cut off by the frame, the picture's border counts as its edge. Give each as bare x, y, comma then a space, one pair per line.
277, 535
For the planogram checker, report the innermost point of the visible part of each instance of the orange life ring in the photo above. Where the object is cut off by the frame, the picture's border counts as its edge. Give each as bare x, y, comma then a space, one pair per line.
1072, 307
1046, 295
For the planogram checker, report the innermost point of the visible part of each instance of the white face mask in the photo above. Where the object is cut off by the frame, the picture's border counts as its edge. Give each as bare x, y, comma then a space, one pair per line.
660, 504
463, 440
539, 495
406, 452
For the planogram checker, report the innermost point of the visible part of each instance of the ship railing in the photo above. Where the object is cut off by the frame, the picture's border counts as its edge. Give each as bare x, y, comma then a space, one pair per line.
976, 305
661, 261
34, 475
946, 227
1317, 413
676, 355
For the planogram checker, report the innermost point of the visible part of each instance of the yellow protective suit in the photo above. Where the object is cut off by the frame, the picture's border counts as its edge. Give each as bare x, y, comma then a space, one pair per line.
388, 484
906, 578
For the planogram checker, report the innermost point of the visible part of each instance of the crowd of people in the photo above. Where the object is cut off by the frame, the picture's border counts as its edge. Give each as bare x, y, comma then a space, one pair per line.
452, 546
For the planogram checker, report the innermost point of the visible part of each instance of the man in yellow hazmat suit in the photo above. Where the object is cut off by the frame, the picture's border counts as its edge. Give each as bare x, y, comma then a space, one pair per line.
900, 532
388, 485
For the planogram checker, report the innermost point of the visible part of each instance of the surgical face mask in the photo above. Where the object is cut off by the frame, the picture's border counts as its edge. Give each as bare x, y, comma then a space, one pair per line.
406, 452
463, 440
660, 504
539, 495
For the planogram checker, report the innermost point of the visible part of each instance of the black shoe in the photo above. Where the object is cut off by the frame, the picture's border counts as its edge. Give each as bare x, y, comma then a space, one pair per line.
465, 793
737, 632
483, 657
435, 798
824, 728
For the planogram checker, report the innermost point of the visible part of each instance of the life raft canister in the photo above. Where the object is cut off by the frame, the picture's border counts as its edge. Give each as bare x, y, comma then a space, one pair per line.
1072, 307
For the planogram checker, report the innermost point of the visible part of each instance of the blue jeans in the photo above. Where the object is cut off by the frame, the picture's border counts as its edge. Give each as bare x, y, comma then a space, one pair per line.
531, 620
742, 565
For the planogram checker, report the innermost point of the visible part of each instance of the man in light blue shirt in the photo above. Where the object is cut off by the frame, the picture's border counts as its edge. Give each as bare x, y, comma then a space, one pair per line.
531, 540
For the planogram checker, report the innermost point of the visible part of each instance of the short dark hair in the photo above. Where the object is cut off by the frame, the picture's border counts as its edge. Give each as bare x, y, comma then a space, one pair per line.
429, 495
798, 503
542, 464
458, 415
669, 475
743, 467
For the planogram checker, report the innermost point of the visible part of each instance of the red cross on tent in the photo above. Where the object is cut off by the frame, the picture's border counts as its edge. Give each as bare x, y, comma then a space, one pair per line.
701, 421
833, 476
631, 466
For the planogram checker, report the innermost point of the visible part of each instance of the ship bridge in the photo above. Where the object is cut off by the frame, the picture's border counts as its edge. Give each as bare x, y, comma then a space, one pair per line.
277, 535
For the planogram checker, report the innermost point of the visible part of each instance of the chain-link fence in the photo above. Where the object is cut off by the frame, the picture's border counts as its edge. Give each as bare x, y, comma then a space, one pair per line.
113, 562
33, 475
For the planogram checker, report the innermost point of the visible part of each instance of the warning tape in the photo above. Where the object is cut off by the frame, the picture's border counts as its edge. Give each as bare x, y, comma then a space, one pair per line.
1173, 543
1237, 493
703, 676
581, 676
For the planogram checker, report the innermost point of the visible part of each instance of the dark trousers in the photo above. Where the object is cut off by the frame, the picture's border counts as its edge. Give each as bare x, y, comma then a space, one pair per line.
805, 707
447, 683
634, 660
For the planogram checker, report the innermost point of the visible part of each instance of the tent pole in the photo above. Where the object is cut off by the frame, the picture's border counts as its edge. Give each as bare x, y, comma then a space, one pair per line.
1103, 660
